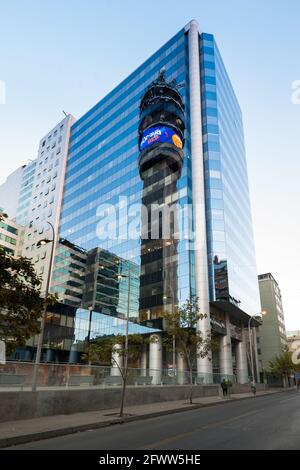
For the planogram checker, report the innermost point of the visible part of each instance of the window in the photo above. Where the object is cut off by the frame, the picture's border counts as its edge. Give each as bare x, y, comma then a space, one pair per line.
43, 144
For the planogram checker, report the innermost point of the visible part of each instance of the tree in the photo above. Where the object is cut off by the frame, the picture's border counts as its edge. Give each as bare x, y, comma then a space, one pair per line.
20, 300
283, 366
106, 350
183, 335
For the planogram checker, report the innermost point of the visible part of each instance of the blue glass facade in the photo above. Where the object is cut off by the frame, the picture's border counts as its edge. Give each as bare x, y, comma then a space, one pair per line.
103, 167
231, 252
103, 163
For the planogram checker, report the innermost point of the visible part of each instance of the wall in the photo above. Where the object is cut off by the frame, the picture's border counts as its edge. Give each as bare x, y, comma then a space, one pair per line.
25, 405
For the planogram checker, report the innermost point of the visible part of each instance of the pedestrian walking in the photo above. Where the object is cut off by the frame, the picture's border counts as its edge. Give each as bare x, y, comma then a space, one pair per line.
224, 387
253, 389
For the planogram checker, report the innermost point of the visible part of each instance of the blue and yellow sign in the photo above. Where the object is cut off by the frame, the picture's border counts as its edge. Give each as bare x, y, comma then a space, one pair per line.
161, 134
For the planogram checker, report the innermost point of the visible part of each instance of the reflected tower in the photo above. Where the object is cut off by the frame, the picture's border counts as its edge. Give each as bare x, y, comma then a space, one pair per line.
161, 140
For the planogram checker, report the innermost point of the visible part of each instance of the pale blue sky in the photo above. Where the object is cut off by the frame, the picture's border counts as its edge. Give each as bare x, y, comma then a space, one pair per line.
67, 55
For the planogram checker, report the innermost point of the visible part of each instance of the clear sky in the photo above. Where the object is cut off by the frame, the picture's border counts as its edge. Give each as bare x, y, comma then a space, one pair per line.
57, 55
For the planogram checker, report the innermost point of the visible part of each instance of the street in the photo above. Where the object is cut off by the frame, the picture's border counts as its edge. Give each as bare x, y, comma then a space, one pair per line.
269, 422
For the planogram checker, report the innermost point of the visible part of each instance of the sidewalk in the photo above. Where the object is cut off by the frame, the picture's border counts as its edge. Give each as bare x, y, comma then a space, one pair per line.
19, 432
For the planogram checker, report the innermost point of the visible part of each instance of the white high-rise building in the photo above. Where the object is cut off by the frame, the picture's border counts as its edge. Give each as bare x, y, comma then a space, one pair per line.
10, 190
46, 191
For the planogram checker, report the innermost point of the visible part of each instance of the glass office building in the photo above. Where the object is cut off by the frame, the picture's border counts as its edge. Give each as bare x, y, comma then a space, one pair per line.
104, 190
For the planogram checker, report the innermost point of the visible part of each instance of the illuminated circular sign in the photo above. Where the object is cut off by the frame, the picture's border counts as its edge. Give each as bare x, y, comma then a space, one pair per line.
160, 134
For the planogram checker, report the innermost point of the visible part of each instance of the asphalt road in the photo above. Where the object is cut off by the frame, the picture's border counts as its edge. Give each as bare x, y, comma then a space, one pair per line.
269, 422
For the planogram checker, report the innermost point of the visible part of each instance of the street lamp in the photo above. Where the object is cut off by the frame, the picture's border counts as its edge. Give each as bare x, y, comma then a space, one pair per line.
90, 323
124, 276
257, 316
40, 243
165, 297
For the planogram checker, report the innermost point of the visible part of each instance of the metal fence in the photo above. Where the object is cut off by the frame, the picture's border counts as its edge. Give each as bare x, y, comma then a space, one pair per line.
19, 375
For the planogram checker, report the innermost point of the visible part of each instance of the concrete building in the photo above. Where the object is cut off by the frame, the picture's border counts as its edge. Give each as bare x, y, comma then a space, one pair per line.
272, 339
42, 190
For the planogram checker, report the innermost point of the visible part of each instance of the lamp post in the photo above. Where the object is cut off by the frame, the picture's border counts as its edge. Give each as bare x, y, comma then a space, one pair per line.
90, 323
173, 343
43, 242
124, 375
257, 316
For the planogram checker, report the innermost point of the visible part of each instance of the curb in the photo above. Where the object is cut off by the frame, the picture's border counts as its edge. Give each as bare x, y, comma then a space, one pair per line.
26, 438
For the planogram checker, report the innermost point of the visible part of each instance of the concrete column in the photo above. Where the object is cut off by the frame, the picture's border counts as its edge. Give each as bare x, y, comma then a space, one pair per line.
241, 360
225, 351
28, 355
74, 356
182, 370
117, 361
143, 361
49, 355
155, 358
204, 366
255, 355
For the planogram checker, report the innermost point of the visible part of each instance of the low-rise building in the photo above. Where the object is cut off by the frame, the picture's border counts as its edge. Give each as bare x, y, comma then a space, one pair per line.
11, 236
272, 340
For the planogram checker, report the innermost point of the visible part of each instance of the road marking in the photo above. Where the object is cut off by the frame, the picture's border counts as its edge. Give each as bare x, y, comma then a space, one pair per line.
189, 433
288, 399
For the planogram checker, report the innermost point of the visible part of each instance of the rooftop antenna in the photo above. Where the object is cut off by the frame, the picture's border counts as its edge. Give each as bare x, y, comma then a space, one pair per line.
64, 113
